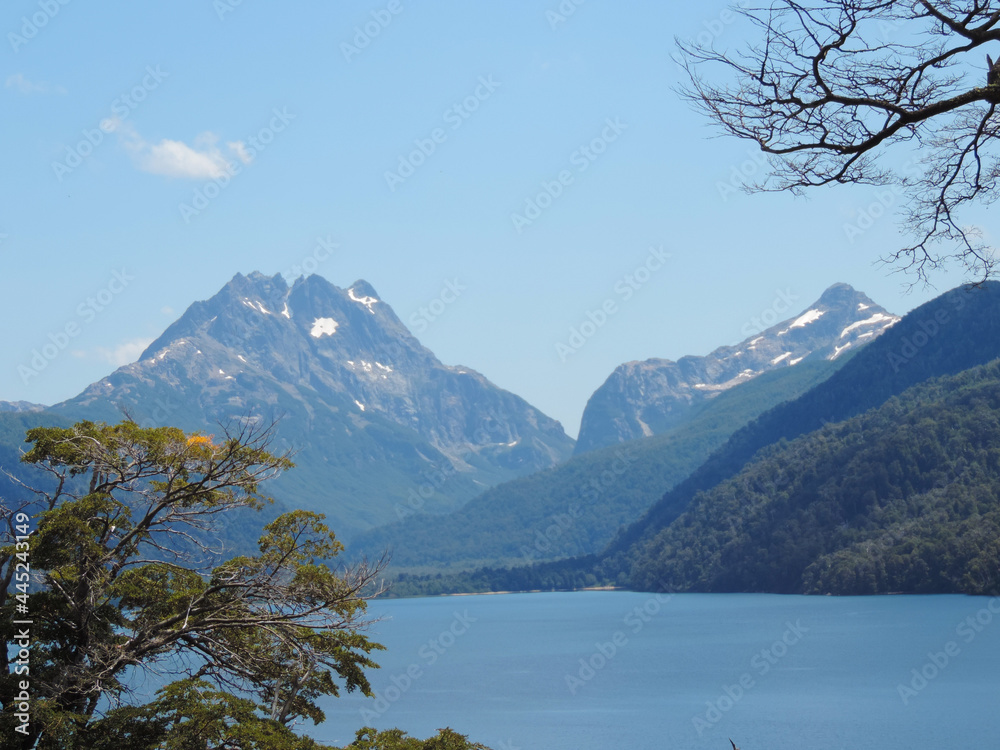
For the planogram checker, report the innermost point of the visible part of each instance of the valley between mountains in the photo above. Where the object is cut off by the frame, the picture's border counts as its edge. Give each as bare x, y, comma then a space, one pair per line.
841, 450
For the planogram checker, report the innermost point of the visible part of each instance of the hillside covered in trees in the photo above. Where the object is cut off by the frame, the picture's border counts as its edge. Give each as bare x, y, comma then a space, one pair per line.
921, 510
577, 508
905, 498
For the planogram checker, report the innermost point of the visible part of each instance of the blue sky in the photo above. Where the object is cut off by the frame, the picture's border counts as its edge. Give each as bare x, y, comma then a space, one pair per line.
239, 137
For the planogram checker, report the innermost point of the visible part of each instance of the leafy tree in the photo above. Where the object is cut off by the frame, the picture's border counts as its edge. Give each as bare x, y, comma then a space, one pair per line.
394, 739
128, 581
832, 86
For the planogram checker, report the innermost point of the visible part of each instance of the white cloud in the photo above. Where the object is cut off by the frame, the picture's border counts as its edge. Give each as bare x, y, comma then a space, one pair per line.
24, 86
125, 353
239, 148
202, 161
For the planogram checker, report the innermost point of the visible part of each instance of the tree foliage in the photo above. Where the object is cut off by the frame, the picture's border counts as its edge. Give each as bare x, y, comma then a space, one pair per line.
577, 507
876, 92
129, 583
956, 332
369, 738
904, 498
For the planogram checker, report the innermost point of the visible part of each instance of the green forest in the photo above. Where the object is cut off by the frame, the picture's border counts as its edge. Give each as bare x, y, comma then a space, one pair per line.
577, 507
904, 498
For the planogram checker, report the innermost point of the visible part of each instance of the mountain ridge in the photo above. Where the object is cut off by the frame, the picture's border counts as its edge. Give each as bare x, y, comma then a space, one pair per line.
943, 338
876, 373
915, 479
576, 507
21, 406
372, 412
643, 398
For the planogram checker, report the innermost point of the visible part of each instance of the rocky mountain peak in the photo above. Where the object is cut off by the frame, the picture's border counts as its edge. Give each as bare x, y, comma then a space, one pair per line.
646, 398
351, 382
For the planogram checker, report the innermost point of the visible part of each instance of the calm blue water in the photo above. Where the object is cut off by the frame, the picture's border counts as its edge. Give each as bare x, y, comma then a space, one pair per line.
772, 672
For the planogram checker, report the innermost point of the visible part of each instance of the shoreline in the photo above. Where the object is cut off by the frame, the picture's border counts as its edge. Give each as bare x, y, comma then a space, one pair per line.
522, 591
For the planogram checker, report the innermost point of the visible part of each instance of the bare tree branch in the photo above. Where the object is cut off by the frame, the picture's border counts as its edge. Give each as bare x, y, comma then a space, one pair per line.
843, 91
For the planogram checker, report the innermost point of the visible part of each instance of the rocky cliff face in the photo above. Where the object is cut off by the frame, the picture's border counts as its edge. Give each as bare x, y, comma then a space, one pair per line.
375, 417
648, 398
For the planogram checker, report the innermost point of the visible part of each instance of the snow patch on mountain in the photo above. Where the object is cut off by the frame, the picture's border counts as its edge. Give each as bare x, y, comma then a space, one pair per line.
806, 318
368, 302
874, 319
838, 349
323, 327
256, 305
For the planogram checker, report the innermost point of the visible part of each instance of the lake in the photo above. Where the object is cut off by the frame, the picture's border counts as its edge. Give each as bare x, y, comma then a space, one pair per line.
600, 670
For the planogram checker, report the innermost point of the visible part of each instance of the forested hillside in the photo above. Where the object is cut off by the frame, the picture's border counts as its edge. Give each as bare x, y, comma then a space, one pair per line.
955, 332
905, 498
576, 508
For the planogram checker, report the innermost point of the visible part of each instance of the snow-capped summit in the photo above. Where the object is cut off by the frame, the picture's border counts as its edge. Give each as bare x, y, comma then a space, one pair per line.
373, 414
646, 398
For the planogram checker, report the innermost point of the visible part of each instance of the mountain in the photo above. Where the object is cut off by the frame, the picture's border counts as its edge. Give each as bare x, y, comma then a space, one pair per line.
13, 426
952, 333
577, 507
647, 398
20, 406
904, 498
372, 415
